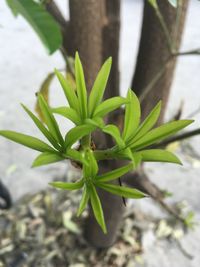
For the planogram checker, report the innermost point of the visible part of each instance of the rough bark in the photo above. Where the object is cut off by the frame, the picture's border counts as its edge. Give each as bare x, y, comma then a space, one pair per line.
154, 53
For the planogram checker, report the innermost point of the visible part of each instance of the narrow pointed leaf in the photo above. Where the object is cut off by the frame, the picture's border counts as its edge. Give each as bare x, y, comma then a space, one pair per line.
117, 173
121, 190
148, 123
97, 208
81, 87
68, 186
42, 128
46, 158
41, 21
158, 155
27, 140
115, 133
68, 113
99, 86
77, 133
50, 120
84, 201
109, 105
68, 91
160, 133
132, 115
96, 121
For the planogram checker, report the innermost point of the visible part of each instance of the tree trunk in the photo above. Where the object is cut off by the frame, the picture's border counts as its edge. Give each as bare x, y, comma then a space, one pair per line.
154, 53
94, 33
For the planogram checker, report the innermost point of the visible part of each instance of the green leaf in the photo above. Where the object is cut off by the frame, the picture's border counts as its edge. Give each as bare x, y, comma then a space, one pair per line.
41, 21
112, 175
99, 86
109, 105
115, 133
97, 122
68, 91
42, 128
160, 133
44, 91
121, 190
84, 200
91, 169
158, 155
11, 5
97, 208
81, 88
68, 186
46, 158
27, 140
132, 115
74, 155
50, 120
77, 133
148, 123
68, 113
174, 3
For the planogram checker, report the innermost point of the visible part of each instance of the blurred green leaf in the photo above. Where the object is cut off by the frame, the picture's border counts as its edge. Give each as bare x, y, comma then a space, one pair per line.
148, 123
132, 115
41, 21
121, 190
68, 186
27, 140
81, 87
77, 133
50, 120
117, 173
74, 155
68, 113
46, 158
44, 91
158, 155
115, 133
68, 91
97, 208
97, 122
42, 128
99, 86
160, 133
109, 105
11, 5
84, 200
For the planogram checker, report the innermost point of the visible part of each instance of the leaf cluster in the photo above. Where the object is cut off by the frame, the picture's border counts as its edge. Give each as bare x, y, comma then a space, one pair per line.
87, 112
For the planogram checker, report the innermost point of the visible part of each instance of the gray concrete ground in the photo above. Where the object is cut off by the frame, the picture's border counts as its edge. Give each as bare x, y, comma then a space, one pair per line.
24, 64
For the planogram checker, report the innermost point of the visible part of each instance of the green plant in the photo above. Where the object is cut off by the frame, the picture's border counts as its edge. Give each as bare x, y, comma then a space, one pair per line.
87, 113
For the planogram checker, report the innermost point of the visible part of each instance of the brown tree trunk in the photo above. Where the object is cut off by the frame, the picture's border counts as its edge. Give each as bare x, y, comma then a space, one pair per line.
94, 33
85, 35
154, 53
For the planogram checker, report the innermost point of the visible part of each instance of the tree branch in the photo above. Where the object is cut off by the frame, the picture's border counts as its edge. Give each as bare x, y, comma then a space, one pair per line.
187, 53
178, 138
54, 10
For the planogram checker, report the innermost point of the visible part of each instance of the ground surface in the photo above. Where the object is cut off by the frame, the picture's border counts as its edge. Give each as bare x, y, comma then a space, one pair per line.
24, 64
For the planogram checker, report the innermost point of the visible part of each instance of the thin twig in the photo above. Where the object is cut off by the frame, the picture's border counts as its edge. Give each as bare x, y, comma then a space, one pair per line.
179, 138
187, 53
165, 29
54, 10
154, 80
